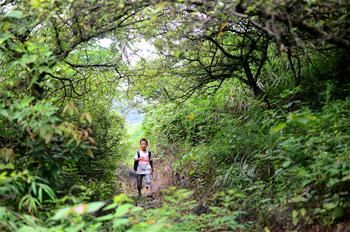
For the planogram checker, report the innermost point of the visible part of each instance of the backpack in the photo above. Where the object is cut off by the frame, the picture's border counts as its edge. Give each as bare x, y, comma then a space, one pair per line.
136, 162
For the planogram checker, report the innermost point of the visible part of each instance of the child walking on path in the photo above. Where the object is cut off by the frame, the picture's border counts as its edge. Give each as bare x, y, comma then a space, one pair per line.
143, 166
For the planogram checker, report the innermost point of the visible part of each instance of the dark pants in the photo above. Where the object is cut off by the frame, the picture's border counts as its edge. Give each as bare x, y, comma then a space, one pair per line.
139, 179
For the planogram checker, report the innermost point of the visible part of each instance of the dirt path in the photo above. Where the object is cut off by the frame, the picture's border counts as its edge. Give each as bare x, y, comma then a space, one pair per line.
162, 178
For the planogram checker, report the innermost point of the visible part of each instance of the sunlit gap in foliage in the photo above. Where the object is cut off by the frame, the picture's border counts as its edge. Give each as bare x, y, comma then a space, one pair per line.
137, 51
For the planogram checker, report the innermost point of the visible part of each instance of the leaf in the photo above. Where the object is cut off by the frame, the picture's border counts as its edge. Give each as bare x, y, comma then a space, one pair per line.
33, 187
40, 195
4, 37
120, 222
88, 117
26, 101
121, 198
27, 229
7, 166
286, 164
121, 3
306, 182
332, 182
346, 178
295, 217
90, 153
92, 140
280, 126
338, 212
4, 113
35, 3
107, 217
110, 206
298, 199
26, 59
70, 108
123, 209
48, 138
7, 153
15, 14
93, 207
48, 190
330, 205
61, 214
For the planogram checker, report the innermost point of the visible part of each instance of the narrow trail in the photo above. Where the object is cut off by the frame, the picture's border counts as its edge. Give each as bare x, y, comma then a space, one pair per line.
162, 178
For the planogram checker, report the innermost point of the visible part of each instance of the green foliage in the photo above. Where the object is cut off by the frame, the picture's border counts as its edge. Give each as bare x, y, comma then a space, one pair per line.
292, 166
58, 144
314, 149
258, 120
174, 215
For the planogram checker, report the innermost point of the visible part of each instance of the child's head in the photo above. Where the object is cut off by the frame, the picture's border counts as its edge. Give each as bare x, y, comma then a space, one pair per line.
143, 143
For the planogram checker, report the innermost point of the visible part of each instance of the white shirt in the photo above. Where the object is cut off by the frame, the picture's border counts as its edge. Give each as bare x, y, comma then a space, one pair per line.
144, 167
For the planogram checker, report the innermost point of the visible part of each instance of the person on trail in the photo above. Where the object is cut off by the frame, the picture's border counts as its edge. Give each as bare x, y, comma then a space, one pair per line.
143, 165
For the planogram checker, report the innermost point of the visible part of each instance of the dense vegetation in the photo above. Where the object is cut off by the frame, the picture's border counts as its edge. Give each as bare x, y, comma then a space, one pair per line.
249, 99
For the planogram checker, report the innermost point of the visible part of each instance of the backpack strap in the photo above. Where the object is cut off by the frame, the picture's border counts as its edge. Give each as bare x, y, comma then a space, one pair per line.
149, 157
136, 162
